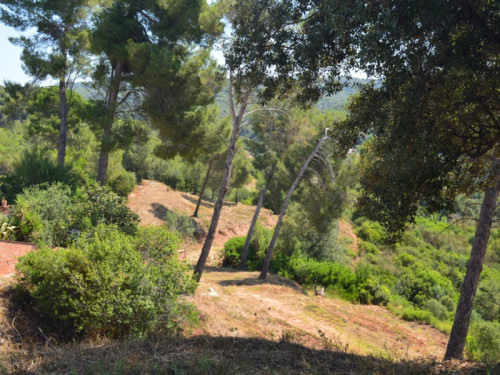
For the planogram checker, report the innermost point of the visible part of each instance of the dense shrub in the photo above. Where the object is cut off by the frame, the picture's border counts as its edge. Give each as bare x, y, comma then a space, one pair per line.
358, 287
52, 215
418, 285
368, 248
122, 183
35, 168
371, 231
231, 252
182, 224
256, 251
46, 214
99, 205
109, 284
484, 341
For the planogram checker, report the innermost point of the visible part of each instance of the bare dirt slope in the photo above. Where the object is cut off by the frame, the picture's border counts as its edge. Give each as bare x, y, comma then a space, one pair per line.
151, 200
278, 309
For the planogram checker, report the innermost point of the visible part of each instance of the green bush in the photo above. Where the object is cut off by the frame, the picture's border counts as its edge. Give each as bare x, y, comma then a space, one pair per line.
371, 231
356, 286
182, 224
415, 314
483, 342
109, 284
368, 248
122, 183
99, 205
51, 215
231, 252
256, 251
36, 168
45, 214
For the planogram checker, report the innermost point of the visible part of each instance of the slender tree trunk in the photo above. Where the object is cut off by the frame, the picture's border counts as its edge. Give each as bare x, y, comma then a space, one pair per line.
213, 193
244, 253
111, 105
203, 189
267, 261
63, 125
236, 196
237, 119
458, 335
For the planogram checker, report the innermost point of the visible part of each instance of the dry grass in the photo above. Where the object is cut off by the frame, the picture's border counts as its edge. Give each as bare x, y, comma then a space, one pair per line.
216, 355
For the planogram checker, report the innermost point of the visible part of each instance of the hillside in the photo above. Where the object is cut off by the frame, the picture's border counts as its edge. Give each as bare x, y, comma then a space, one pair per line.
247, 307
246, 325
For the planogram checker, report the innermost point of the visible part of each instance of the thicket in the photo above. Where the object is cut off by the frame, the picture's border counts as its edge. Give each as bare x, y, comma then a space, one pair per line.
109, 284
52, 215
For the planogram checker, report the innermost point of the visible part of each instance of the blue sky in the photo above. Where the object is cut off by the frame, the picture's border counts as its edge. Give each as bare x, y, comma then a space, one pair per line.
10, 63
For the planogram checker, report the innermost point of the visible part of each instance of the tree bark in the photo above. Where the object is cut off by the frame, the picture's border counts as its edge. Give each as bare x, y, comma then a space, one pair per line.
458, 335
267, 261
111, 105
203, 189
236, 196
63, 125
244, 253
235, 133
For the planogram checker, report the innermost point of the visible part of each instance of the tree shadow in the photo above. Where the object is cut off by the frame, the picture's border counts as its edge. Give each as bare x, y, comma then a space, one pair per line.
224, 355
208, 203
159, 210
271, 279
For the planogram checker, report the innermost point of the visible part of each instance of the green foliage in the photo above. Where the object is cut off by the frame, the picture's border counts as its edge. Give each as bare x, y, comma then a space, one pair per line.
52, 215
368, 248
102, 206
371, 231
122, 183
36, 167
256, 252
181, 224
484, 342
8, 231
356, 286
110, 284
232, 251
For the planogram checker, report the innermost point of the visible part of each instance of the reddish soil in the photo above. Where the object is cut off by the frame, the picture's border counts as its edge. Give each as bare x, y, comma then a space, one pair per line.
9, 252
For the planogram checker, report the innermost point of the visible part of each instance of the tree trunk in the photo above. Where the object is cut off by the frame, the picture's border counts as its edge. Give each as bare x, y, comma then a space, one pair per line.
267, 261
458, 335
237, 118
203, 189
236, 196
111, 105
63, 125
213, 194
244, 253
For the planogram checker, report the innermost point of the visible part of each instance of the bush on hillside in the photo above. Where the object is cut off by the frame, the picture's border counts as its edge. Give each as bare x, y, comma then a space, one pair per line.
109, 284
52, 215
35, 168
256, 251
181, 224
122, 183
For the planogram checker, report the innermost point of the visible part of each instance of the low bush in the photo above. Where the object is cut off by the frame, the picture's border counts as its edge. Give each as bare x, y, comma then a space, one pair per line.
256, 251
109, 284
35, 168
370, 231
483, 342
122, 183
182, 224
356, 286
53, 216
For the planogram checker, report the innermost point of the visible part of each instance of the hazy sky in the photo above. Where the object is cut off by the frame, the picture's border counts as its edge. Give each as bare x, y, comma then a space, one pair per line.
10, 64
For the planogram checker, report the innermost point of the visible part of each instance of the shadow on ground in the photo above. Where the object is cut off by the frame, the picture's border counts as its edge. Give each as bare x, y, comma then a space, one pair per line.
219, 355
205, 202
